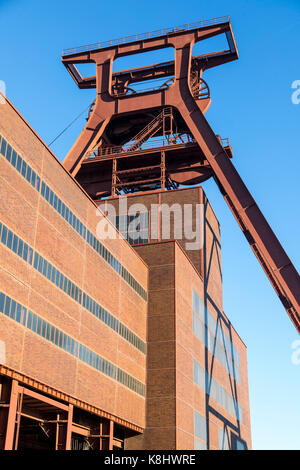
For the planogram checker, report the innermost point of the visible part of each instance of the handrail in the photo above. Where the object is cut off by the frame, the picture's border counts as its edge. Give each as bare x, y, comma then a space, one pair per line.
155, 142
148, 35
148, 127
223, 141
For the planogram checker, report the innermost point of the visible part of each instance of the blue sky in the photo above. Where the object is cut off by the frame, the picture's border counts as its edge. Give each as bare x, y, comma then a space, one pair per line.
251, 104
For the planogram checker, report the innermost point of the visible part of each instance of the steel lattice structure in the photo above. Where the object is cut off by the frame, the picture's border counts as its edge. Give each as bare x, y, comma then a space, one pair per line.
159, 138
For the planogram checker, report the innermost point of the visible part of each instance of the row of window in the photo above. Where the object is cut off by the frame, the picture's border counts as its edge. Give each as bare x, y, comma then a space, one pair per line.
131, 337
16, 244
17, 162
56, 277
115, 264
65, 284
12, 309
62, 209
30, 175
216, 391
22, 249
77, 225
38, 325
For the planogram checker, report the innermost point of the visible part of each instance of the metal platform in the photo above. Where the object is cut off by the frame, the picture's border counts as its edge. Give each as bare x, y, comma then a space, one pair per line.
149, 35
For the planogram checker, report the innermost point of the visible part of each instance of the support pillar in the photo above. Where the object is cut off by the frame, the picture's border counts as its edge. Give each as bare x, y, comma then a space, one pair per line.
111, 435
5, 391
19, 413
64, 430
69, 428
106, 435
11, 419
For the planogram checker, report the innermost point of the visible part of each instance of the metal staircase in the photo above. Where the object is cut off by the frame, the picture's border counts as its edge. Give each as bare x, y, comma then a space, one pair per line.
149, 131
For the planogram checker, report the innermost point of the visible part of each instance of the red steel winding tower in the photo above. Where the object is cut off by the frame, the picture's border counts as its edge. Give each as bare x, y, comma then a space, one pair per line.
146, 139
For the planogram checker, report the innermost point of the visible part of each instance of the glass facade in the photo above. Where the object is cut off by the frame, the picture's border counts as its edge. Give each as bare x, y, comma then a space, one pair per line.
217, 340
211, 333
217, 392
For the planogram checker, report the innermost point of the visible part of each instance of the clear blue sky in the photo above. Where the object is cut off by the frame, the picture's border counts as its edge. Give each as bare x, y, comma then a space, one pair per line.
251, 105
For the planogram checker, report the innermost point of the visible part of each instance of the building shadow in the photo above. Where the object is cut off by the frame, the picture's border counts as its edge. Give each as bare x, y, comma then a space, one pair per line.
215, 340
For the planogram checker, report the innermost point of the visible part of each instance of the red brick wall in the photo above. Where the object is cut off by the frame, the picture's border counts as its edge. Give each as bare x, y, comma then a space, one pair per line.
172, 394
27, 214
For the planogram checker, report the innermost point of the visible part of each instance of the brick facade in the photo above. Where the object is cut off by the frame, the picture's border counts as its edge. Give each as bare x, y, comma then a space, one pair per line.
26, 213
139, 318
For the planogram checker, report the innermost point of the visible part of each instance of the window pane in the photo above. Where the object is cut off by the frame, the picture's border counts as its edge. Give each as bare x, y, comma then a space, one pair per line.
28, 174
20, 247
8, 153
43, 189
38, 181
18, 313
33, 178
34, 322
29, 319
25, 251
14, 158
7, 306
2, 298
9, 239
199, 426
4, 235
19, 163
30, 255
3, 146
24, 167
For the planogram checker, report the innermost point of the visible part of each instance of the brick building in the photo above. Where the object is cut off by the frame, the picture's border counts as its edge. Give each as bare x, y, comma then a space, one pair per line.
106, 344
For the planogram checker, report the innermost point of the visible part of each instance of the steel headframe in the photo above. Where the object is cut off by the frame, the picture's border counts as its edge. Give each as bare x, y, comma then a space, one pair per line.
268, 250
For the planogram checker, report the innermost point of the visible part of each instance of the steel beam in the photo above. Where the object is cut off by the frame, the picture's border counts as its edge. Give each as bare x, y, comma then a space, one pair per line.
12, 414
69, 427
262, 239
10, 374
